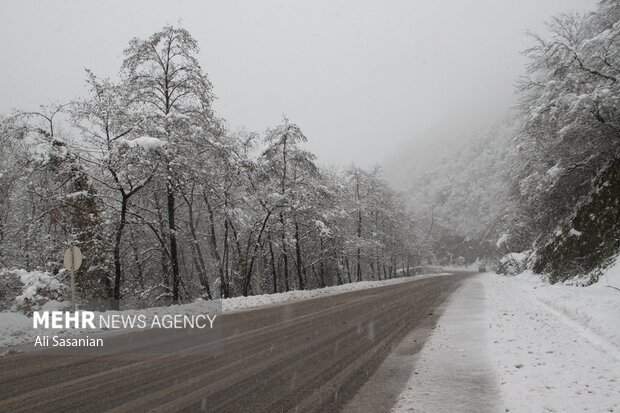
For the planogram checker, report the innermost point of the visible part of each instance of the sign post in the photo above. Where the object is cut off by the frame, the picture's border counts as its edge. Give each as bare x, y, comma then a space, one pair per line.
72, 261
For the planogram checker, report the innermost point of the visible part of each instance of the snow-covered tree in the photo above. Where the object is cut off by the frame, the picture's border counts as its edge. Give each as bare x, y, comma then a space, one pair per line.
174, 97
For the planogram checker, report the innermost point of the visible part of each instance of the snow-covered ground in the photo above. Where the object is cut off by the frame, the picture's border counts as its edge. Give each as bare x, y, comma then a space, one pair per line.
551, 348
453, 373
555, 348
16, 328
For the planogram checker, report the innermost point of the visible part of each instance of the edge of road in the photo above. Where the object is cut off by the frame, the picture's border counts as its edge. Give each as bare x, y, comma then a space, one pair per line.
382, 390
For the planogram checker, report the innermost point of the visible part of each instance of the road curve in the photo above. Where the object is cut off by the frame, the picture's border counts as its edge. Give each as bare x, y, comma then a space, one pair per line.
308, 356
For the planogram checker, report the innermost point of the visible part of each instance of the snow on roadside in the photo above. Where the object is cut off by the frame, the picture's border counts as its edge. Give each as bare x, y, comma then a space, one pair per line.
453, 372
541, 347
245, 303
554, 347
595, 308
16, 328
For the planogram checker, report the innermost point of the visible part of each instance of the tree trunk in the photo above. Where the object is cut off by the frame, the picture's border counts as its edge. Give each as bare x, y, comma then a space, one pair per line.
346, 262
174, 256
136, 259
250, 267
273, 264
359, 252
284, 253
298, 254
322, 267
198, 257
160, 234
339, 275
117, 253
225, 285
408, 264
214, 247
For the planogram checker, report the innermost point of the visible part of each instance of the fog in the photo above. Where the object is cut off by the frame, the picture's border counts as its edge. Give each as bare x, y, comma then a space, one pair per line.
359, 77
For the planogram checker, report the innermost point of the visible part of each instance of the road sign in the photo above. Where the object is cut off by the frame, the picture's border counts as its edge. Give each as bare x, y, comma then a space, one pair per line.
73, 260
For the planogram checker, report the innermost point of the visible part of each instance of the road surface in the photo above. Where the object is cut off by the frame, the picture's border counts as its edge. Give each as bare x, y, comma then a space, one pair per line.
308, 356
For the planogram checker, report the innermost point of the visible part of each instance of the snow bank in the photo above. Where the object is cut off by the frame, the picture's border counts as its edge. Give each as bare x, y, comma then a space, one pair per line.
555, 347
474, 266
596, 308
15, 328
611, 276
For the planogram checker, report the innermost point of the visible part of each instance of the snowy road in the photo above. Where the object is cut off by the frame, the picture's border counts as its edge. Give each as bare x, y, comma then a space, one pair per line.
312, 355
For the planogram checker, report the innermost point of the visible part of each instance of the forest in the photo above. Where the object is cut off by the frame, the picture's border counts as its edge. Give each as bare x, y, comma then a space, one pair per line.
167, 204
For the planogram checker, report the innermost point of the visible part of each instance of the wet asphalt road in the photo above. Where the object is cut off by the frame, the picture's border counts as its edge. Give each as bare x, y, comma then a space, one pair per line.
309, 356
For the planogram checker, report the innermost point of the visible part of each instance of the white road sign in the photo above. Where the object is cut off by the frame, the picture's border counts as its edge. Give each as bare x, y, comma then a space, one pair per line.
73, 258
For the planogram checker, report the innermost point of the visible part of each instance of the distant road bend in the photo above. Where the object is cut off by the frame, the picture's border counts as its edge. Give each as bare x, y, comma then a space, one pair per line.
308, 356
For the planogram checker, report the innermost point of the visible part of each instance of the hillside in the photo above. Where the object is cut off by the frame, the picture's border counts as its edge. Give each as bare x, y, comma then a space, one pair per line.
543, 180
462, 196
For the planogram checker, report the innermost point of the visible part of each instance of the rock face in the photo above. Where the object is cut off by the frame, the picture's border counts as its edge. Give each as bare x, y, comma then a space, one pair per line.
591, 237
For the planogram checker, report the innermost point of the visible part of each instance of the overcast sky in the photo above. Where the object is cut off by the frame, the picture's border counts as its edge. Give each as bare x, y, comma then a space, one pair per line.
359, 77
